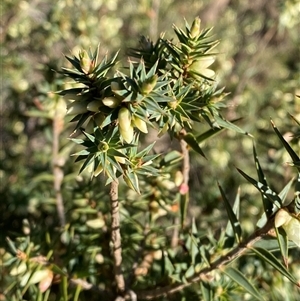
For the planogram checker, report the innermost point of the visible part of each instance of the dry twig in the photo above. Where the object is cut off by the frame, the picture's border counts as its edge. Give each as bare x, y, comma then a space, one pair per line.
116, 237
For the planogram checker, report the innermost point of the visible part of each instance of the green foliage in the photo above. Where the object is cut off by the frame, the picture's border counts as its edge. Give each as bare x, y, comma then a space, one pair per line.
179, 241
169, 99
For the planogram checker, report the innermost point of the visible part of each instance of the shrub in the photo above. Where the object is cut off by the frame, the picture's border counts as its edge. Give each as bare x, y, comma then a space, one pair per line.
141, 239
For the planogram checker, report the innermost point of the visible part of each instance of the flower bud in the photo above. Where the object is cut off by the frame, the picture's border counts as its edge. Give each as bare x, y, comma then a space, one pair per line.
38, 276
94, 105
195, 28
124, 117
200, 66
125, 127
178, 178
127, 135
149, 84
85, 62
46, 282
282, 217
140, 124
292, 230
76, 107
290, 224
17, 270
111, 102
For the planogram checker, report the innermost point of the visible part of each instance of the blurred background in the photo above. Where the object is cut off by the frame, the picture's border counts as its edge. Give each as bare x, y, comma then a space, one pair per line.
258, 63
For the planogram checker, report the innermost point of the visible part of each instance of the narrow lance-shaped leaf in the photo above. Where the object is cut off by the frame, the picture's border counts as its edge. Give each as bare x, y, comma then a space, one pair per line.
265, 190
230, 126
272, 260
11, 245
241, 280
268, 205
192, 142
284, 192
192, 247
283, 244
293, 117
232, 217
132, 181
229, 231
291, 152
168, 265
208, 134
285, 202
297, 195
207, 293
89, 160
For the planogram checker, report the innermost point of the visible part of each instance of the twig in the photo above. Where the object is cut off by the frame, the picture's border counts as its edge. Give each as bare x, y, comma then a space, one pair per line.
116, 236
224, 260
57, 163
185, 183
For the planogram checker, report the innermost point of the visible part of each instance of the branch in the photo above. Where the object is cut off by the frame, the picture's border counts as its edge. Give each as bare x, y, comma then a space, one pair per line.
57, 163
186, 160
116, 236
223, 260
185, 183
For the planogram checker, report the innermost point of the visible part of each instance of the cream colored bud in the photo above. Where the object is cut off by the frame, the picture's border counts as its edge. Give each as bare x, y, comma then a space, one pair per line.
124, 117
140, 124
149, 84
195, 28
38, 276
292, 230
282, 217
94, 105
127, 135
200, 66
290, 224
17, 270
111, 102
46, 282
76, 107
125, 127
85, 62
178, 178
